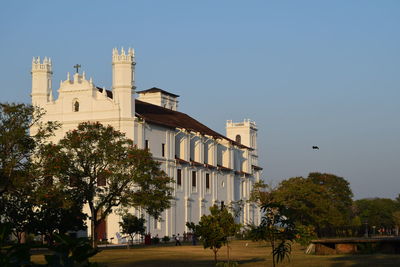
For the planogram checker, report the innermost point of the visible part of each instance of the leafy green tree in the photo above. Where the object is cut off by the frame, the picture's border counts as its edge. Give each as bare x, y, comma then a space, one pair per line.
71, 252
12, 255
18, 211
66, 252
277, 226
109, 171
338, 191
215, 229
305, 234
57, 210
396, 217
377, 211
260, 193
321, 200
17, 147
132, 225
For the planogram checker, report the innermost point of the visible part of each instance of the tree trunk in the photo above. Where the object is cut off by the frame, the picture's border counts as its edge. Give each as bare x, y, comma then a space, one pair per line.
273, 255
19, 237
227, 246
93, 229
215, 255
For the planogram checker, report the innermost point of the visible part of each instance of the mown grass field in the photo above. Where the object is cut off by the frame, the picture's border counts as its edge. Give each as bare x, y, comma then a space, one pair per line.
254, 254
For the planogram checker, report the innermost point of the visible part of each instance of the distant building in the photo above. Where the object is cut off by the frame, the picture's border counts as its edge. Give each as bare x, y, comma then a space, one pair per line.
208, 167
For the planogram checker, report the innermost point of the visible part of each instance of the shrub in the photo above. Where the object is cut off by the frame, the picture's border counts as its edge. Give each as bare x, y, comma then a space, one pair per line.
166, 239
155, 240
305, 234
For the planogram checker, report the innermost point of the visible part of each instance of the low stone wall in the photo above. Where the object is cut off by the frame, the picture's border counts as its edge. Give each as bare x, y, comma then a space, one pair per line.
352, 246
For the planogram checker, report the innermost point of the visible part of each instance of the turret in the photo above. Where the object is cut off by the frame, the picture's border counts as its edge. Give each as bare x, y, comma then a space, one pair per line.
157, 96
41, 81
243, 132
123, 86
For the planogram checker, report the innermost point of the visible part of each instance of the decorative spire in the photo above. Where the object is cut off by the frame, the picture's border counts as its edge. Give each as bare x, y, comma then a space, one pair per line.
115, 51
131, 52
76, 78
51, 99
68, 76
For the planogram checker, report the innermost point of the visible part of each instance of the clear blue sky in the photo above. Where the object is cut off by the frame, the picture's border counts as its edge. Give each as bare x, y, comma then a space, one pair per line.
323, 73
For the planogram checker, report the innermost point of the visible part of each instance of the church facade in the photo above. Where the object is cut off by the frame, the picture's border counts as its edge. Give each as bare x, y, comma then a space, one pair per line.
208, 168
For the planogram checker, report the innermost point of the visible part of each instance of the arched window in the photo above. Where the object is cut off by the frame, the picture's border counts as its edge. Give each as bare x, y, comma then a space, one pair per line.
76, 106
238, 139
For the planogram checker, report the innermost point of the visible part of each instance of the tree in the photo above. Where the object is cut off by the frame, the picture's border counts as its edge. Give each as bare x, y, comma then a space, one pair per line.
17, 145
132, 225
215, 229
110, 171
337, 190
17, 148
320, 200
377, 211
18, 211
261, 193
57, 209
277, 225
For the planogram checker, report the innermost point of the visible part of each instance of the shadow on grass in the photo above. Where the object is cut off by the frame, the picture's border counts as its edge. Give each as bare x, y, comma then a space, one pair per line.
181, 263
360, 260
253, 260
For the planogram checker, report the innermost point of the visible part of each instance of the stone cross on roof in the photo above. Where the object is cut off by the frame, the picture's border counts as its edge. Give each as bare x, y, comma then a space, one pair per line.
77, 66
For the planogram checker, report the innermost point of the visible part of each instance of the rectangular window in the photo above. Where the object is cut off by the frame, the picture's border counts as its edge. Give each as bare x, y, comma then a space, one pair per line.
207, 181
179, 177
193, 178
162, 150
146, 144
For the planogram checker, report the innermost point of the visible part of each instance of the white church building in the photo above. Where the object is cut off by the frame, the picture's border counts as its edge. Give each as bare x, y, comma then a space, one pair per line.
208, 167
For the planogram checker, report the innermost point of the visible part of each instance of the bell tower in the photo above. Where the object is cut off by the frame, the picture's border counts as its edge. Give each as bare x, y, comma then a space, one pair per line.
41, 81
123, 81
243, 132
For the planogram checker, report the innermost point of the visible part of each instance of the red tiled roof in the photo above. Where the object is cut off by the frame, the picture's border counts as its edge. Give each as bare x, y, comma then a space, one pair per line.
209, 166
109, 93
257, 168
172, 119
175, 119
181, 161
222, 168
242, 173
195, 163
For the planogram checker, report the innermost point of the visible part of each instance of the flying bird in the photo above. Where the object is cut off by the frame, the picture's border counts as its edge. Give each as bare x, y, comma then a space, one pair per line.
315, 148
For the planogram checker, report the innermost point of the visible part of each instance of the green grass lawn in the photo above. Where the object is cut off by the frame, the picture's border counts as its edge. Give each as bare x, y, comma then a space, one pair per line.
252, 254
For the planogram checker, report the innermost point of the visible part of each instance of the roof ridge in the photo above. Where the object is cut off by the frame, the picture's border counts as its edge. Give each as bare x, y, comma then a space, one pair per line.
178, 124
156, 89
